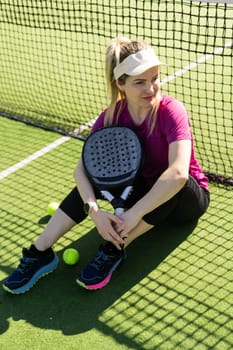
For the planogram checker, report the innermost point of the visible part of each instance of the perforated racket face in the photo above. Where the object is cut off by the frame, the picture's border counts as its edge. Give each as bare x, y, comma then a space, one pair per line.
112, 156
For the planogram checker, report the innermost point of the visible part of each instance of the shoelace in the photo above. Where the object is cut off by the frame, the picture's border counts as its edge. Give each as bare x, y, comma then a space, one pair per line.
25, 262
99, 260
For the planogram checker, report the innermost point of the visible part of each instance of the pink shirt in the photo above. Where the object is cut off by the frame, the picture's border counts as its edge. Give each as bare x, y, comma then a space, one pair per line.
172, 124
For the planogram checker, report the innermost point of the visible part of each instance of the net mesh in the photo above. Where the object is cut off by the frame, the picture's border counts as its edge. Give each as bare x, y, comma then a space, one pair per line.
52, 64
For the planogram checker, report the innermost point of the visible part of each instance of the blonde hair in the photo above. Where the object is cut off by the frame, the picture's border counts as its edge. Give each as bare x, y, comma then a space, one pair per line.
117, 50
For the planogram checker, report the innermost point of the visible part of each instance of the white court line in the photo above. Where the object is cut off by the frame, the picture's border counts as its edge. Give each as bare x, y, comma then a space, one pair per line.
41, 152
33, 156
194, 64
63, 139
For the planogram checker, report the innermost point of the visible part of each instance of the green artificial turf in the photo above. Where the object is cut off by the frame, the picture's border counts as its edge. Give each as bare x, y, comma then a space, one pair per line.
173, 292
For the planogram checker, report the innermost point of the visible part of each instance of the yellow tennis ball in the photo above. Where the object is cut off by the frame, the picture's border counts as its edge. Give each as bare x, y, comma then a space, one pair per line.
71, 256
52, 207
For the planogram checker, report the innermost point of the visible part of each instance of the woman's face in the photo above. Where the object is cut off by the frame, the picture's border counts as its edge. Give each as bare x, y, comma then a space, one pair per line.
142, 91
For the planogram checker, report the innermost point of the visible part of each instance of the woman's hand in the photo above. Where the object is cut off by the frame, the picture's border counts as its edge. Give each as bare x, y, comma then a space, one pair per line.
106, 224
128, 221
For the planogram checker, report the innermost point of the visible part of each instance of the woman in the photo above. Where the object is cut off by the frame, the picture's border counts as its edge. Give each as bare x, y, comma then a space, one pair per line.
175, 188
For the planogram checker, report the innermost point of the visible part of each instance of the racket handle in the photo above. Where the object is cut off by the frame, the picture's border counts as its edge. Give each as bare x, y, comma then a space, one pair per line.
119, 204
126, 192
107, 195
118, 211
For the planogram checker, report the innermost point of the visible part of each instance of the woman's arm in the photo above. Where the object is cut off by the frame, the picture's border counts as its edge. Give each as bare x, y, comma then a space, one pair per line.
83, 184
104, 221
168, 184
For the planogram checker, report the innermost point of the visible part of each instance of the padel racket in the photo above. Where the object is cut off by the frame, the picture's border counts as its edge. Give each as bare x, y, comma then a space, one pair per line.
112, 158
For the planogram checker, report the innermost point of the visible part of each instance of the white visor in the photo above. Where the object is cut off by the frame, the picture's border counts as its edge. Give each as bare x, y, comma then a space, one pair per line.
137, 63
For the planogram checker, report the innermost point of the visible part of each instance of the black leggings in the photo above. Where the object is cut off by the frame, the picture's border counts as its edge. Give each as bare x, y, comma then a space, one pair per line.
187, 205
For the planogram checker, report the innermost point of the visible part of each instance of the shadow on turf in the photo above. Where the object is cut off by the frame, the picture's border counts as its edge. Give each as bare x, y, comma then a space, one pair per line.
57, 302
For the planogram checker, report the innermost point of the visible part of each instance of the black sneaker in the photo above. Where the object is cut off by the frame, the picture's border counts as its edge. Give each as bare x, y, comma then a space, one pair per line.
32, 266
98, 273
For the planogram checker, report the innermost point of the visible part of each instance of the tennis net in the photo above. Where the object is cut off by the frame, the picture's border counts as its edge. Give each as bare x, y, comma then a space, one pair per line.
52, 64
